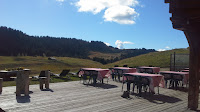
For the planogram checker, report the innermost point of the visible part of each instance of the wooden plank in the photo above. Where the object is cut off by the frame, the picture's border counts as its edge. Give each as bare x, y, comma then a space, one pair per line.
76, 97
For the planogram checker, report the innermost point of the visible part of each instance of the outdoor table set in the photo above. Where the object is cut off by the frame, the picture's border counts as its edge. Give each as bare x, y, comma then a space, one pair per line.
118, 71
148, 78
152, 70
143, 80
175, 78
94, 73
22, 80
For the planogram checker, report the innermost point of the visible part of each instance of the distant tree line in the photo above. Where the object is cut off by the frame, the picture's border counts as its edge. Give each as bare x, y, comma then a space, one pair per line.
16, 43
105, 61
126, 53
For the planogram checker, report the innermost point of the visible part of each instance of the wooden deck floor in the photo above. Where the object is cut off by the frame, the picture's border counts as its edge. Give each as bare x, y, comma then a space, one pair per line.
76, 97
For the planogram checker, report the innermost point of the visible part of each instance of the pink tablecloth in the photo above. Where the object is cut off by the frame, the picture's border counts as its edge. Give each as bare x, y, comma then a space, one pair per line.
126, 69
155, 69
184, 70
185, 75
155, 79
101, 72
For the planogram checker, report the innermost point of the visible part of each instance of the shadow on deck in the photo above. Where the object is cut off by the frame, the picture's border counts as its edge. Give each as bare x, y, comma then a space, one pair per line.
103, 86
23, 99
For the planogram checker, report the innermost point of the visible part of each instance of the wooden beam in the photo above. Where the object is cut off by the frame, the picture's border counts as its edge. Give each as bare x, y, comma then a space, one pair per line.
185, 17
167, 1
193, 93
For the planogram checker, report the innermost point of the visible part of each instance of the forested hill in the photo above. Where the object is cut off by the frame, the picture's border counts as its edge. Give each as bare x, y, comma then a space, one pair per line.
14, 42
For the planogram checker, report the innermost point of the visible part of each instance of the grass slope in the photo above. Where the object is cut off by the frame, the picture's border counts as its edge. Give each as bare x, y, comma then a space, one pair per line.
36, 64
160, 59
104, 55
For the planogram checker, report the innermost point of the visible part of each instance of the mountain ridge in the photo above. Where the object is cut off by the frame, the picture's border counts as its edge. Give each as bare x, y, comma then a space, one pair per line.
14, 43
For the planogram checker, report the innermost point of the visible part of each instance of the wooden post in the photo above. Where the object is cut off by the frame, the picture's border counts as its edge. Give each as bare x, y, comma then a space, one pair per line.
41, 83
22, 82
48, 79
26, 81
186, 17
193, 94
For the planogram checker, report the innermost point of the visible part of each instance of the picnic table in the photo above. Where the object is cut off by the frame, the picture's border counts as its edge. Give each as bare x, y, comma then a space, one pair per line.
155, 80
153, 70
6, 75
120, 70
21, 77
94, 73
184, 76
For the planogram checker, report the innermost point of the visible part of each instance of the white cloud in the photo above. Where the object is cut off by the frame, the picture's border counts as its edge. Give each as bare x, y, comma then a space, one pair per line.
120, 44
60, 0
94, 6
107, 43
161, 50
127, 42
119, 11
142, 6
120, 14
167, 47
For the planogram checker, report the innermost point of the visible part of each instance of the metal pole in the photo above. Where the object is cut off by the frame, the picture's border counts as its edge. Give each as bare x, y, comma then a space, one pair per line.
170, 62
174, 61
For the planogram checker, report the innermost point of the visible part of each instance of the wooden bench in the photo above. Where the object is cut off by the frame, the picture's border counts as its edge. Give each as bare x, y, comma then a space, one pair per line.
44, 79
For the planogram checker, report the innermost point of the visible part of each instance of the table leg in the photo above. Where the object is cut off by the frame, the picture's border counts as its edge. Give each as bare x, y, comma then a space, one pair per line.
140, 89
47, 84
94, 79
113, 76
128, 86
18, 91
26, 89
41, 83
119, 77
140, 86
1, 81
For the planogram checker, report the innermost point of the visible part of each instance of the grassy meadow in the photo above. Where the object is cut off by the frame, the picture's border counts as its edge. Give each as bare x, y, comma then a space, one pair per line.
160, 59
36, 64
104, 55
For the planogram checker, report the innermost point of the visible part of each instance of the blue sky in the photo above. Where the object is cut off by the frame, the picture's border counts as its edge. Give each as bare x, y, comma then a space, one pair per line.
121, 23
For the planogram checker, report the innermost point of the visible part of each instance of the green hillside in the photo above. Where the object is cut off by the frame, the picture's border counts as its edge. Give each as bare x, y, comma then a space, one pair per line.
160, 59
104, 55
16, 43
36, 64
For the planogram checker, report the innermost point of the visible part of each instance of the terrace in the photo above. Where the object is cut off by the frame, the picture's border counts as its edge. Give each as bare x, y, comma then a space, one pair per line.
74, 96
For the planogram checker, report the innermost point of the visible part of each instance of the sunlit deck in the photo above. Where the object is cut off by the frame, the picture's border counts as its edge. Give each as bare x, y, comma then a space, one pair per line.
74, 96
